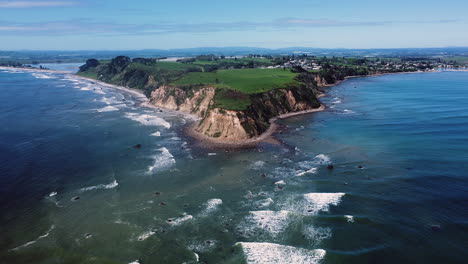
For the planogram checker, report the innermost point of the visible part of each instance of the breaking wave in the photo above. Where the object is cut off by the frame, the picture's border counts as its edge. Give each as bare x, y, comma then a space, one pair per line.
275, 253
162, 161
101, 186
148, 120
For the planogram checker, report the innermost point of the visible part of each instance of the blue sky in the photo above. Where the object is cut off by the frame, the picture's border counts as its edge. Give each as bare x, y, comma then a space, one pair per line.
148, 24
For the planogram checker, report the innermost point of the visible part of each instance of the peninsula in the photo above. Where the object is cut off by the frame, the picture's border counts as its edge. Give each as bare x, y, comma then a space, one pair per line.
236, 98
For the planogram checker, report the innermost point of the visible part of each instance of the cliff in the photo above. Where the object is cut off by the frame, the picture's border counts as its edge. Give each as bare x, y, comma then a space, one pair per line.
229, 125
233, 105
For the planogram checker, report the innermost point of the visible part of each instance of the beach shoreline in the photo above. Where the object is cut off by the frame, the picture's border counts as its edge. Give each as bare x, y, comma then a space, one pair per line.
190, 128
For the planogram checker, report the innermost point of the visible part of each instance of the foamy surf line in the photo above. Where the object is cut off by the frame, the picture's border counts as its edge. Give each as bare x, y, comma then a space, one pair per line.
272, 222
148, 120
259, 253
34, 241
312, 203
101, 186
211, 206
162, 161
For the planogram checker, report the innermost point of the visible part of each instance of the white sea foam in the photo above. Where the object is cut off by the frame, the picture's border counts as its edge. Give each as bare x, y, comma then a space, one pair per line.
348, 111
148, 120
203, 246
52, 194
108, 108
317, 202
145, 235
34, 241
211, 206
280, 182
272, 222
179, 220
311, 170
322, 159
349, 218
135, 262
162, 161
212, 154
317, 234
101, 186
156, 134
111, 100
269, 253
264, 203
42, 76
257, 165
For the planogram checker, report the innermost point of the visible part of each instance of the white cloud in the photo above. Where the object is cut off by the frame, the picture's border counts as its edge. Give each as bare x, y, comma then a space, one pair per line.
29, 4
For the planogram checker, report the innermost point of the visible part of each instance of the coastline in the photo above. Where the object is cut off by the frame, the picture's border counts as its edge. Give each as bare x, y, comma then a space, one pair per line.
189, 128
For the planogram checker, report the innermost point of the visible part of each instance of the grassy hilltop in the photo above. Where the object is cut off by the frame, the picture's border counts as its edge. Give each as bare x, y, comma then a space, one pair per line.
237, 80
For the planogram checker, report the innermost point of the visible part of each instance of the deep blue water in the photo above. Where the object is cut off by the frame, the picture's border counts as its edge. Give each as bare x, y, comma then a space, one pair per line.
398, 191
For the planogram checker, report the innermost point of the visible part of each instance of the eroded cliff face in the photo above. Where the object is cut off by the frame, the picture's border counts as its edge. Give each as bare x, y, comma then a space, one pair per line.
256, 119
222, 124
320, 81
195, 101
228, 125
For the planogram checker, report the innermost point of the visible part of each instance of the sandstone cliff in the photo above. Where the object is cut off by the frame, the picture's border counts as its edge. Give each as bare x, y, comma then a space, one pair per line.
231, 125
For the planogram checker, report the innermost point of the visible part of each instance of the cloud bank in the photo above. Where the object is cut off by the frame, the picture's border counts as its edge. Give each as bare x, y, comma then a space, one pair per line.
32, 4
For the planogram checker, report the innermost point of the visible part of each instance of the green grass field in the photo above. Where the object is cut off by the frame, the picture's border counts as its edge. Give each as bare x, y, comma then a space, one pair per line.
88, 74
232, 60
248, 81
166, 65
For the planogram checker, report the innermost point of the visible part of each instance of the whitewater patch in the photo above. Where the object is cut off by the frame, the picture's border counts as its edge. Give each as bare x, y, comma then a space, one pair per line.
317, 234
42, 76
34, 241
272, 222
322, 159
148, 120
162, 161
52, 194
280, 182
257, 165
348, 111
312, 203
264, 203
349, 218
108, 108
316, 202
311, 170
211, 206
180, 220
259, 253
156, 134
101, 186
145, 235
204, 246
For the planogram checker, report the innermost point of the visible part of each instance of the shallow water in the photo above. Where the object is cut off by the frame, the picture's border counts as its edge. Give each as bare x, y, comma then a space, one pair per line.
171, 202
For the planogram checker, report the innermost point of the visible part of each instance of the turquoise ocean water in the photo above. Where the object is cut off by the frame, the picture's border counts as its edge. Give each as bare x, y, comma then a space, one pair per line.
397, 193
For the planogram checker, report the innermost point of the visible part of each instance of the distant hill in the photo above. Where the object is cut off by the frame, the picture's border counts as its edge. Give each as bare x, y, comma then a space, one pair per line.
29, 56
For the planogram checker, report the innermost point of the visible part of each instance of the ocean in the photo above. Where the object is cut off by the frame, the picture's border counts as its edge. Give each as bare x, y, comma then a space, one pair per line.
88, 175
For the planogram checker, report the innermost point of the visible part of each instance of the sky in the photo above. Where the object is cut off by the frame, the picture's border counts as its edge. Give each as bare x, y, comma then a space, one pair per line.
169, 24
